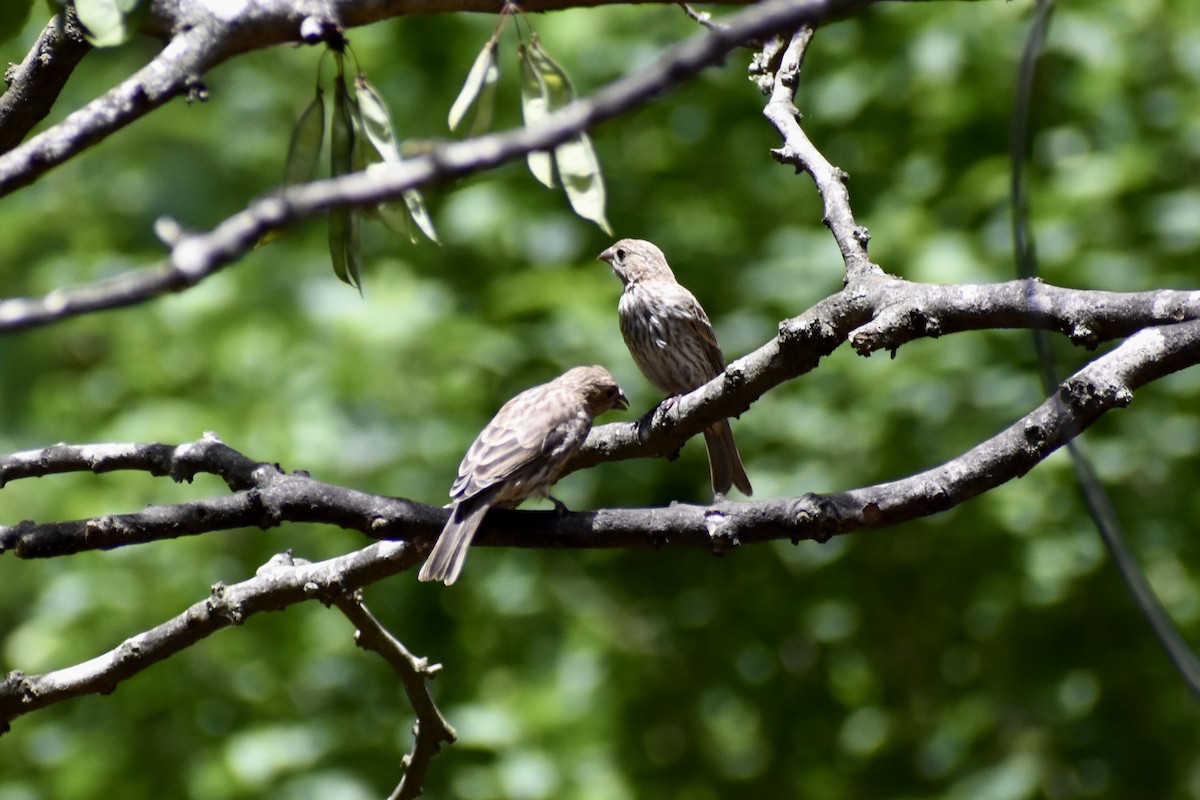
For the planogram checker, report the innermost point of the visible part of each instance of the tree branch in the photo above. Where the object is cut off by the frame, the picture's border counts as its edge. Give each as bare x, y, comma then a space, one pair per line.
263, 497
881, 313
174, 70
276, 586
194, 258
35, 83
431, 729
181, 463
203, 35
1106, 383
799, 151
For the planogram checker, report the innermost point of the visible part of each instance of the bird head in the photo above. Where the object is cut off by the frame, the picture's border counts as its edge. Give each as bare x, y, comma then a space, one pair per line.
599, 389
634, 260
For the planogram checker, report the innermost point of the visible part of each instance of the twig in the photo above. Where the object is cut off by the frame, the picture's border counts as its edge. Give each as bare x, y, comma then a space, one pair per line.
197, 257
275, 587
702, 17
35, 83
181, 462
431, 729
798, 151
170, 73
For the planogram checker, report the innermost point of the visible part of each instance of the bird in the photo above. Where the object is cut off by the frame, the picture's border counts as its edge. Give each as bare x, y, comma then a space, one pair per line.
669, 336
520, 454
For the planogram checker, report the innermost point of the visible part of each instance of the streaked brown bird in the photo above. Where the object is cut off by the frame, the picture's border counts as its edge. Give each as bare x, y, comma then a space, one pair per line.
519, 454
673, 343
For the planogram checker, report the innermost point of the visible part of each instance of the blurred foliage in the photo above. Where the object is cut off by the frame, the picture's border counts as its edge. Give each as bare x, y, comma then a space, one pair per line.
989, 652
12, 17
110, 23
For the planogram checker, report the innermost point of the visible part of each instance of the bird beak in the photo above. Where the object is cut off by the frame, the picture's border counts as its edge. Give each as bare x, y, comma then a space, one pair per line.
622, 402
607, 256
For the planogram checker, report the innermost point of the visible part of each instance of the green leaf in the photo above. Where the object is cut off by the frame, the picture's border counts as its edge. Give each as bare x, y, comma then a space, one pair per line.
368, 159
535, 105
111, 22
344, 249
579, 170
307, 136
13, 14
480, 86
376, 120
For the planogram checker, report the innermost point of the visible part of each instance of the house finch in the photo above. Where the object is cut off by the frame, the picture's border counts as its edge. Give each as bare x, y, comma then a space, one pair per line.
672, 341
519, 454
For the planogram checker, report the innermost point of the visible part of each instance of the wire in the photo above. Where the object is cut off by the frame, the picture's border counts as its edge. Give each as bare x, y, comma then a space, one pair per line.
1098, 503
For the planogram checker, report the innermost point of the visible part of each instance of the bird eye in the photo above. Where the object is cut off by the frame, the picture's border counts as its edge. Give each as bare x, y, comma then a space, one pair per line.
621, 254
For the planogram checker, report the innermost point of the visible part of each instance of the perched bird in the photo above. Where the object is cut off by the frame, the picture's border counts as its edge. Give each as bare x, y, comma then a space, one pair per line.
519, 454
672, 341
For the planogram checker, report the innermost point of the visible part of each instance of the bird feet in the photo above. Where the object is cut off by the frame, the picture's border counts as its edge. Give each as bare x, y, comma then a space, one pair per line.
646, 423
668, 403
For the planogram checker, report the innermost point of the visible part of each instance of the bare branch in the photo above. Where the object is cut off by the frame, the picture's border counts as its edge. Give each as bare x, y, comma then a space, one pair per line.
194, 258
181, 462
276, 587
881, 313
1106, 383
799, 151
906, 311
171, 72
431, 729
35, 83
268, 498
203, 36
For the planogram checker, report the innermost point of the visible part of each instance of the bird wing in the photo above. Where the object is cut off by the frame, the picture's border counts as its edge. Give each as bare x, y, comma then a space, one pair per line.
522, 437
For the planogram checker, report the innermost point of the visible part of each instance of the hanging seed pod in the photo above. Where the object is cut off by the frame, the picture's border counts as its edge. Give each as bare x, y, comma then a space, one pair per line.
478, 91
344, 245
376, 122
575, 159
535, 105
308, 134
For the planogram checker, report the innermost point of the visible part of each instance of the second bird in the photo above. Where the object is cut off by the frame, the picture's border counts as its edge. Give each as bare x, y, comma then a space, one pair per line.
520, 454
673, 343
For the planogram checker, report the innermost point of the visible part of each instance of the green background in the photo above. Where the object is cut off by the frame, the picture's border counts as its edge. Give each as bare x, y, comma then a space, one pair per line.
989, 652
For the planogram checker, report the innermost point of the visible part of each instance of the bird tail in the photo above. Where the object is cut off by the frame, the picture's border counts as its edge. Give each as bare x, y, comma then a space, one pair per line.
724, 461
445, 561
